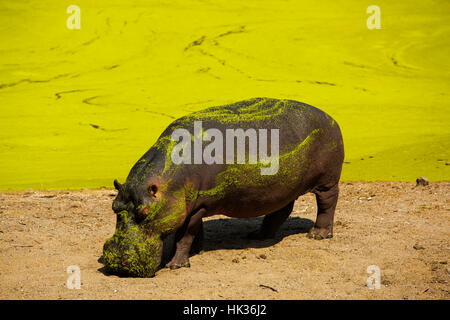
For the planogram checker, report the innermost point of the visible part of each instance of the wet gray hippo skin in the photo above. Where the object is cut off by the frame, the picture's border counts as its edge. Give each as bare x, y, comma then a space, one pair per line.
160, 197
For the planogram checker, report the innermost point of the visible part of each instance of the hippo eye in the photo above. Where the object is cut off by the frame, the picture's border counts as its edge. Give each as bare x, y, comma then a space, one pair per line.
152, 190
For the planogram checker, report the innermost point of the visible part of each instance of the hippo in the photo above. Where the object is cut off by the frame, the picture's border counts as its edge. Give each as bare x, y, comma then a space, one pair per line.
172, 187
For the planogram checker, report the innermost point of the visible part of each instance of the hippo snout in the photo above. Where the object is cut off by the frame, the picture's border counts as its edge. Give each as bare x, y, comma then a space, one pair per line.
132, 253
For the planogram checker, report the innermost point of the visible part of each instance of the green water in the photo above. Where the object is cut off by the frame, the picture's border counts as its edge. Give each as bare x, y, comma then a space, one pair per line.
79, 107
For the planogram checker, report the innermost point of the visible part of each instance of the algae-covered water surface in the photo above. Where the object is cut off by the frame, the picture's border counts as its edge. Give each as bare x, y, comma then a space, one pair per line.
80, 106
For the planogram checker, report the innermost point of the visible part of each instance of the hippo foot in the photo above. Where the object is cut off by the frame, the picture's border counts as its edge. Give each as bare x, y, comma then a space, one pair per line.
320, 233
176, 265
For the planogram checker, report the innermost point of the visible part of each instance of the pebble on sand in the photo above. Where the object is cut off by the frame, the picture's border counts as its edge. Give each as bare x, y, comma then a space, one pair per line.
422, 181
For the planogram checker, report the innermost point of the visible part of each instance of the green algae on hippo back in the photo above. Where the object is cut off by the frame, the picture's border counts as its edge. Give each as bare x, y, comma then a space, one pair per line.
189, 174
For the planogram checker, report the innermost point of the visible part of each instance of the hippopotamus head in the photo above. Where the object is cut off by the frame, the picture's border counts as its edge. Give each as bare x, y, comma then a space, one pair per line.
146, 213
135, 249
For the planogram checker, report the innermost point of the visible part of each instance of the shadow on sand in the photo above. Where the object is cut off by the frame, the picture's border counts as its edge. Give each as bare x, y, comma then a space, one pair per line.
232, 233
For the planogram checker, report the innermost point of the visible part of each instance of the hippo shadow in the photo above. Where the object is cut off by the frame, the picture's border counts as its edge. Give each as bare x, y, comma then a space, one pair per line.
232, 233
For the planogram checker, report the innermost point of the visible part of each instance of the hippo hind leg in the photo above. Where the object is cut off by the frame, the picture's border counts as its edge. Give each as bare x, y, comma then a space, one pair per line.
326, 198
271, 223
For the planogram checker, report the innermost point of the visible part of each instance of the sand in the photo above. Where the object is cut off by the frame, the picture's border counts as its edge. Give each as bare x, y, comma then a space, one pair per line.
400, 228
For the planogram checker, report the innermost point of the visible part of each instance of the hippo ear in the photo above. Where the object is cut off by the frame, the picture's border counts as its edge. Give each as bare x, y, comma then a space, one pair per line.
117, 185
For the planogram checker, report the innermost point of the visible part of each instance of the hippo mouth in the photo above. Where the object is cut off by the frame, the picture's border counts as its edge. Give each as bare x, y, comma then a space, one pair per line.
132, 253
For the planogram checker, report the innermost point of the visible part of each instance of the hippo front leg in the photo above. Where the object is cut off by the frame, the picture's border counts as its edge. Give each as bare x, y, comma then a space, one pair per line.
188, 237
